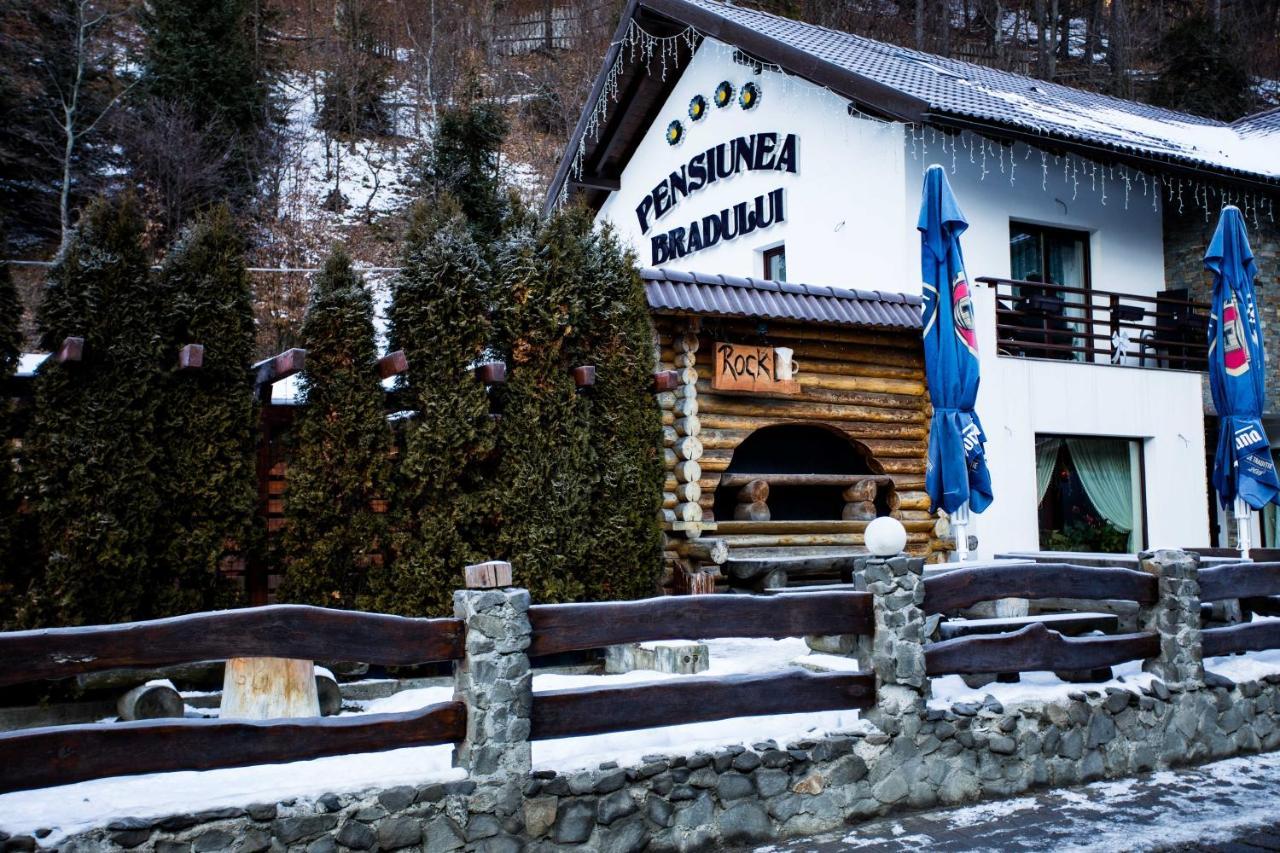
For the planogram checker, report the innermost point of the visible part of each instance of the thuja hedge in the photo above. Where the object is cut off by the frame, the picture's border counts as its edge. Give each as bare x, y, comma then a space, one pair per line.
141, 477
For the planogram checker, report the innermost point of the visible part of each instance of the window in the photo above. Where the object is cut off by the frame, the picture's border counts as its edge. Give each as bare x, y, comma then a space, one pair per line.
775, 263
1091, 494
1054, 256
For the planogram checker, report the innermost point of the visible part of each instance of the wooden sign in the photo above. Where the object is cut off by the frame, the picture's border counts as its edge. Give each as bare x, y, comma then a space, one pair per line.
740, 367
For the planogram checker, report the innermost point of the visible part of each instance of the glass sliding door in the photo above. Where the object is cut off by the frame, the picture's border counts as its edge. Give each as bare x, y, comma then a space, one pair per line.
1053, 318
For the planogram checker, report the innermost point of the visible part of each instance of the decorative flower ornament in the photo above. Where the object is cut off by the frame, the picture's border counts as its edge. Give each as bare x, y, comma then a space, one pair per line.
675, 133
749, 96
697, 107
724, 94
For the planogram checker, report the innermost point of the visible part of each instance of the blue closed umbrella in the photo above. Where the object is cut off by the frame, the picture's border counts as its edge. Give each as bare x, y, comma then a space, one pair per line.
1242, 467
957, 476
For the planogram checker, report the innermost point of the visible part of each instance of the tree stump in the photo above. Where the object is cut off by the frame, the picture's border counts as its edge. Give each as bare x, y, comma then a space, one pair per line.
151, 701
269, 688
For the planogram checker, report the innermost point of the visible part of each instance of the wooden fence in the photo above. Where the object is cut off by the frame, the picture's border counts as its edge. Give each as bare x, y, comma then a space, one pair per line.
65, 754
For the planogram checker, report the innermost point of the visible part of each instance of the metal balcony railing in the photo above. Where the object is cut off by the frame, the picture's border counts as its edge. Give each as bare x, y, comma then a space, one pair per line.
1039, 320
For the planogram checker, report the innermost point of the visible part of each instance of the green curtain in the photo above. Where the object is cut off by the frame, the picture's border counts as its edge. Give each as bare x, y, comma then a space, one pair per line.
1046, 462
1105, 471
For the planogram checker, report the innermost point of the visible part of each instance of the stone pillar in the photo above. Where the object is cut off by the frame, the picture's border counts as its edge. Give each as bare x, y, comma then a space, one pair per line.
897, 649
494, 681
1175, 617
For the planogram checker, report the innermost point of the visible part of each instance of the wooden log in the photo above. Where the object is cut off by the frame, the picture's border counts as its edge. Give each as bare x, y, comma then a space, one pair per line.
393, 364
492, 372
862, 490
800, 410
821, 396
685, 406
669, 500
72, 350
491, 574
1239, 580
268, 689
853, 429
865, 338
743, 478
328, 693
754, 491
836, 382
666, 400
729, 528
281, 630
689, 425
1246, 637
689, 447
669, 436
688, 471
689, 492
572, 627
685, 342
755, 511
665, 380
859, 511
39, 758
191, 357
689, 512
596, 710
1035, 648
151, 701
669, 457
966, 587
904, 466
685, 359
706, 550
271, 370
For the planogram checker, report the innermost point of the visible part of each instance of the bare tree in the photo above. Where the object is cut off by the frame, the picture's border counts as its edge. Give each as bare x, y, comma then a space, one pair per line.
75, 121
182, 165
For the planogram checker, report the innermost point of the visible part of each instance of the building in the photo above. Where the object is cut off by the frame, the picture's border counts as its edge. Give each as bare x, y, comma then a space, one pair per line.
734, 150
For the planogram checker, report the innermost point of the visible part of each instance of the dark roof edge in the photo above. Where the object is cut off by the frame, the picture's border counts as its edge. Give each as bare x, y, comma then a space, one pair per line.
597, 87
875, 96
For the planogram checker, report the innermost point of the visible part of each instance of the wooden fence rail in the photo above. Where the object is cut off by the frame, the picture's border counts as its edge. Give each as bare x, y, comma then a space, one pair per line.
1036, 648
1239, 580
284, 630
569, 627
1247, 637
962, 588
39, 758
570, 713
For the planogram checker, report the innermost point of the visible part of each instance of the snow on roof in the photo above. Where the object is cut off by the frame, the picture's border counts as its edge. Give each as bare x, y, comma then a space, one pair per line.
984, 94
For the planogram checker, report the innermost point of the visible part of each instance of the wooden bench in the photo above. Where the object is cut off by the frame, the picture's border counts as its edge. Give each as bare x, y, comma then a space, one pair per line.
1070, 624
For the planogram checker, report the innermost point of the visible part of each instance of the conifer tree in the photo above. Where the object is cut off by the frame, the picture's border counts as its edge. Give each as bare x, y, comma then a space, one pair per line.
616, 335
464, 160
439, 317
207, 57
341, 460
94, 454
208, 433
543, 485
14, 562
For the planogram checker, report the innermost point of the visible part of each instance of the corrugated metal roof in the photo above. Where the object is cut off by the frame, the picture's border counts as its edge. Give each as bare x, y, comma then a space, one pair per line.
673, 291
989, 95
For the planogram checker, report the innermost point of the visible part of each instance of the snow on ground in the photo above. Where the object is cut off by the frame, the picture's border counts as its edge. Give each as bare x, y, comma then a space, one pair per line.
73, 808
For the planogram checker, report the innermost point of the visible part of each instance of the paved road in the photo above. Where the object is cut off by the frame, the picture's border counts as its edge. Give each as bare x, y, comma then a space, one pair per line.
1231, 805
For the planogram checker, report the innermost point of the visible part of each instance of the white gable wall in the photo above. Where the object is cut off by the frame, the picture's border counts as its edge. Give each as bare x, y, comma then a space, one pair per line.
850, 221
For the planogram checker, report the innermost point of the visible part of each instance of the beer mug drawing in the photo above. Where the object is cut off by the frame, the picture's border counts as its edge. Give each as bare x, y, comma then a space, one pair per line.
784, 367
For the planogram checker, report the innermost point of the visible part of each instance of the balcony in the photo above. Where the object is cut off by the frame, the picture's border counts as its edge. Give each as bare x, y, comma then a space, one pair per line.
1039, 320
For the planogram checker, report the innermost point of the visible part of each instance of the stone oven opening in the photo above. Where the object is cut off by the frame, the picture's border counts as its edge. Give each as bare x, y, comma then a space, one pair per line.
811, 452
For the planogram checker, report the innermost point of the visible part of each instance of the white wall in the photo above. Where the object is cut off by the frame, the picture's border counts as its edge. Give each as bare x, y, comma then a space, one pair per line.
844, 205
851, 216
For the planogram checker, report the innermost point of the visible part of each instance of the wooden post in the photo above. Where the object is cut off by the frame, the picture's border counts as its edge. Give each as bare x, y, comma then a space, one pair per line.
72, 349
269, 688
492, 574
191, 357
393, 364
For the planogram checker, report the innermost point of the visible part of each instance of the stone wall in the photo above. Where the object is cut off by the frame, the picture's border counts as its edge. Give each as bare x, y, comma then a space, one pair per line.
1187, 235
917, 756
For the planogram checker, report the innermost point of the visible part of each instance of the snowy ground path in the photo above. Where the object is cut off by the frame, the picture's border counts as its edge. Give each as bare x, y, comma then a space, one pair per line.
1228, 805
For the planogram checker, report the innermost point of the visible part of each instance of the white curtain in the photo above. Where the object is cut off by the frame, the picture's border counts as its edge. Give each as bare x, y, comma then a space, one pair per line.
1106, 471
1046, 462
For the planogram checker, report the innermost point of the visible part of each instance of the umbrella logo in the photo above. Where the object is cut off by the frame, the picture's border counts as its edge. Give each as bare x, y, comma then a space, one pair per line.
1235, 354
962, 314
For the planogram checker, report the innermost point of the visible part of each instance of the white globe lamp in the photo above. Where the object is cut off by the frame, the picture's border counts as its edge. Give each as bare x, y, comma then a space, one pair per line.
885, 537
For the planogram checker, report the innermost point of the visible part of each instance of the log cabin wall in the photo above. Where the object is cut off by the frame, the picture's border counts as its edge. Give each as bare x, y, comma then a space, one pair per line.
865, 384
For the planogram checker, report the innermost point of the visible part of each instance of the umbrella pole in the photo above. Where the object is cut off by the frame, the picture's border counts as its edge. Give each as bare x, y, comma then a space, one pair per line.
1243, 513
960, 528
